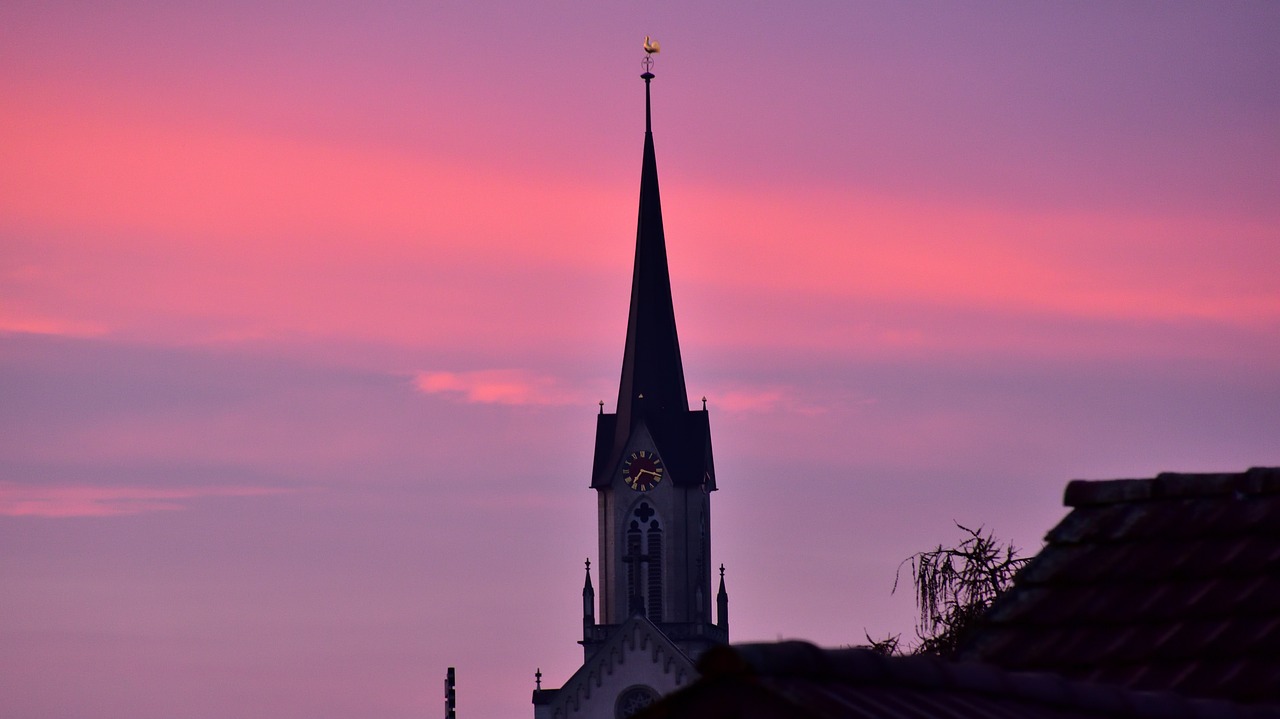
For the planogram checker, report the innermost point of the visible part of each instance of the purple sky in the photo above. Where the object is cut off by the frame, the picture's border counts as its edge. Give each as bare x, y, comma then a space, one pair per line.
305, 310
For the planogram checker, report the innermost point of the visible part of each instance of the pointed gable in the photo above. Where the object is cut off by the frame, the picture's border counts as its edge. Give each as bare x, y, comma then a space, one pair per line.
636, 654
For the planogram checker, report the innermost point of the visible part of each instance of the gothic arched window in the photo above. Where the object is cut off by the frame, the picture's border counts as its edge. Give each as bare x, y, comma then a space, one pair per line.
644, 562
655, 571
633, 558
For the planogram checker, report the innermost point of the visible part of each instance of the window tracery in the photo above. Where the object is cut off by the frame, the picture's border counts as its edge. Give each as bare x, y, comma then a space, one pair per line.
644, 554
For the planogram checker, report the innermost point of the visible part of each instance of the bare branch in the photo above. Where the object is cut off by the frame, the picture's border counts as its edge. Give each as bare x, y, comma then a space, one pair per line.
954, 586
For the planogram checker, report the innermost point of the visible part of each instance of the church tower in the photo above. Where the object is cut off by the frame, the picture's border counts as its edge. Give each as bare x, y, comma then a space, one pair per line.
653, 471
653, 475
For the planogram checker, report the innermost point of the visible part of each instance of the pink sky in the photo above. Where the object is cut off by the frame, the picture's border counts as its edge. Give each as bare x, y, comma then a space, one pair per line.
305, 310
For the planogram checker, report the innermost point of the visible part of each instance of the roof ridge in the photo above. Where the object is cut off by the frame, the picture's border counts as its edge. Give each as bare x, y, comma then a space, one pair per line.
1173, 485
862, 666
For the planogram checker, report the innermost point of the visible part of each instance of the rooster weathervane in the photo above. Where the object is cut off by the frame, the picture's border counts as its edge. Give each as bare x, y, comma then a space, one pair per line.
651, 48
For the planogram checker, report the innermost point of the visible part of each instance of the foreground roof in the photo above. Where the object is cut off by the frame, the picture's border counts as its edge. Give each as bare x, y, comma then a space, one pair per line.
1170, 583
797, 679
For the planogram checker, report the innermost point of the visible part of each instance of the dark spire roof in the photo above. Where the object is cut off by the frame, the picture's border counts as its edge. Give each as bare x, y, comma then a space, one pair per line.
652, 391
652, 374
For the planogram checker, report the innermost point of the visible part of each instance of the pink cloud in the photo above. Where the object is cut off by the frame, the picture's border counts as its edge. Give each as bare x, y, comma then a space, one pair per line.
503, 386
222, 233
765, 400
243, 235
751, 401
127, 171
862, 246
37, 325
19, 500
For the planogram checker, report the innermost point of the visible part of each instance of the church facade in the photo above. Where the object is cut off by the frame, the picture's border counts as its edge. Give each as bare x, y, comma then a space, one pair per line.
653, 475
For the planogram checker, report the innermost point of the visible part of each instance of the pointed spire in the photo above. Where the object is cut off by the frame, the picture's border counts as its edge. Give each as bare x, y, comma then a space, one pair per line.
652, 373
722, 604
588, 601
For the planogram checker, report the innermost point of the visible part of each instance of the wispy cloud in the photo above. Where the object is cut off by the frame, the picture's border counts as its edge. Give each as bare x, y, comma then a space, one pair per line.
25, 500
768, 399
11, 322
525, 387
502, 386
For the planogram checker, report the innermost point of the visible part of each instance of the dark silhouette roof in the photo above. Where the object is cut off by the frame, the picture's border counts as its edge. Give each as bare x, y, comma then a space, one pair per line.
652, 390
797, 679
1171, 583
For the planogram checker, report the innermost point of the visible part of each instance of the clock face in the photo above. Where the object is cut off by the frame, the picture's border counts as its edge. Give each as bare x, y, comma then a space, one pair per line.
642, 470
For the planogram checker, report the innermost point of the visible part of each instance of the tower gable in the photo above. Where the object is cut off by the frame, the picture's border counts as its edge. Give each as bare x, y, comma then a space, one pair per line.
682, 439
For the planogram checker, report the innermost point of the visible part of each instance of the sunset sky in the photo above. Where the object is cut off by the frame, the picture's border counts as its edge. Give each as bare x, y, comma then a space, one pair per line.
306, 308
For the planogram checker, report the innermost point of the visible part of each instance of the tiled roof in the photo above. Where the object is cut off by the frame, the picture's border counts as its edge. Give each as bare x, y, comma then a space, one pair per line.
796, 679
1171, 583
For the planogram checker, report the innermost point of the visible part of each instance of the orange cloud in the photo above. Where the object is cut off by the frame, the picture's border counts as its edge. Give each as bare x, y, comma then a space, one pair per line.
20, 500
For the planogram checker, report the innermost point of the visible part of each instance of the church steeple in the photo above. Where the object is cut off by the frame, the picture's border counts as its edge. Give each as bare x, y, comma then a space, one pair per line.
653, 464
649, 616
652, 373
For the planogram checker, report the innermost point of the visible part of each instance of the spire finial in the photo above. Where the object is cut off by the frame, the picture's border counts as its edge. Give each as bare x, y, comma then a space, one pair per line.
588, 564
537, 677
651, 48
721, 572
